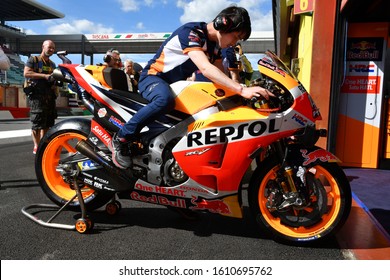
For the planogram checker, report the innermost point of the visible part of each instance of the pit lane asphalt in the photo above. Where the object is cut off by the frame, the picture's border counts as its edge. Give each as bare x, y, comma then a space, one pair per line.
139, 232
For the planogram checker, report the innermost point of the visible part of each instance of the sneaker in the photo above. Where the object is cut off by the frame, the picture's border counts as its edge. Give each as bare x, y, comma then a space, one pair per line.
120, 152
35, 150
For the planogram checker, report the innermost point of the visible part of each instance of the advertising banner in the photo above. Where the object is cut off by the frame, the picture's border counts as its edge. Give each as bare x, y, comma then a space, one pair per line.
361, 102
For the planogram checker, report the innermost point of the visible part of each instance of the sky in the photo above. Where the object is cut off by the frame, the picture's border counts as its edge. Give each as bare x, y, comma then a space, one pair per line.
136, 16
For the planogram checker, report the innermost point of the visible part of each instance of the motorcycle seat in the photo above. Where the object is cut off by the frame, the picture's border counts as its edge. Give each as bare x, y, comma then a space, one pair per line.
131, 95
115, 78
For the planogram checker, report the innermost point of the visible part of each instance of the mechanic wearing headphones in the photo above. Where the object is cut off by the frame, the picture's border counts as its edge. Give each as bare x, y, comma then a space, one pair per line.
112, 59
193, 46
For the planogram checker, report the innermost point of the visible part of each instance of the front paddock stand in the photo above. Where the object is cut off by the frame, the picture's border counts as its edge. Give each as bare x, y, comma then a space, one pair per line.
82, 225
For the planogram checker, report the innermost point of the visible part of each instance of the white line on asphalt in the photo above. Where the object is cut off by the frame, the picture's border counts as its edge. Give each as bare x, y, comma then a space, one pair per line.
15, 133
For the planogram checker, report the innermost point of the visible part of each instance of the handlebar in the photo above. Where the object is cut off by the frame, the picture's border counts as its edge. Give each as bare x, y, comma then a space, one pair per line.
62, 55
282, 100
57, 75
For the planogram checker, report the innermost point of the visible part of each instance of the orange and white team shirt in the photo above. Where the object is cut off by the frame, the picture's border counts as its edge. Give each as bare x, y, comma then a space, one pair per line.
172, 62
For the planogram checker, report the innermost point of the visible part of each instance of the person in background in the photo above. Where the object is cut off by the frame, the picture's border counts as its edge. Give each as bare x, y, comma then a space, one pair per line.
5, 64
132, 76
195, 45
112, 58
42, 94
245, 66
231, 64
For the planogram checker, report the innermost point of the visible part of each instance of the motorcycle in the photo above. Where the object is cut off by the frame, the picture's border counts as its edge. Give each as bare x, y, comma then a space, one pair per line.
195, 157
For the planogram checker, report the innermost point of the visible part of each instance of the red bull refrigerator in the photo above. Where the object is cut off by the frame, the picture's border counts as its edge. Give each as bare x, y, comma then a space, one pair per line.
363, 132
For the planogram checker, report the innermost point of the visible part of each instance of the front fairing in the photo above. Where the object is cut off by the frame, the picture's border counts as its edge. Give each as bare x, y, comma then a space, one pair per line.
270, 66
273, 62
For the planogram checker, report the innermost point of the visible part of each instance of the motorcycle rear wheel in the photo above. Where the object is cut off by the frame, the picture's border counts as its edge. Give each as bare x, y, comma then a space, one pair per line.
330, 197
58, 143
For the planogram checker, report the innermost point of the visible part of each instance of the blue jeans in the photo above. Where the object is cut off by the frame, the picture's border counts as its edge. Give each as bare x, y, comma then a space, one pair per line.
161, 99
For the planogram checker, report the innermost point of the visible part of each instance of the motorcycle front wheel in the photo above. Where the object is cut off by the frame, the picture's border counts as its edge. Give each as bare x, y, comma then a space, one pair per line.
58, 144
325, 210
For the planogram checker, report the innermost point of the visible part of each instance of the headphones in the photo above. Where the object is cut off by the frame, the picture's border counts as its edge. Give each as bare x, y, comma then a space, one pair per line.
108, 56
223, 23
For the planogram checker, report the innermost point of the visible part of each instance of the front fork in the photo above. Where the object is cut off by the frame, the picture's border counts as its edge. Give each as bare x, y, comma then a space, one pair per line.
287, 181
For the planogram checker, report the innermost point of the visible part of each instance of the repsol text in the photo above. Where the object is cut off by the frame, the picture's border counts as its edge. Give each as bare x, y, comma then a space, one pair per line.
222, 134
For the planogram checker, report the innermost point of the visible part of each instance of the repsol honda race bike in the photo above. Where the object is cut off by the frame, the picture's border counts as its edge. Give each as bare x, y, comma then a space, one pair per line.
195, 157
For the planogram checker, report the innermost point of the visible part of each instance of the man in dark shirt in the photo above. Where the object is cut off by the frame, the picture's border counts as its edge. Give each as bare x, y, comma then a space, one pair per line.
42, 97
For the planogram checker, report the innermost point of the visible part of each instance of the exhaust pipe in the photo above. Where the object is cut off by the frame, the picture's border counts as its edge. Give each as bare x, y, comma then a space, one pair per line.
122, 180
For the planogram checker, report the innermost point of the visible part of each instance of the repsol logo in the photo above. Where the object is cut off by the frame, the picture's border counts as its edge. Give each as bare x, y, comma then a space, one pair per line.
222, 134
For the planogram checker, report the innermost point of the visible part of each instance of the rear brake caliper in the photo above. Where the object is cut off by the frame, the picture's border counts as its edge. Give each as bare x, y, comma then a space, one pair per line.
68, 172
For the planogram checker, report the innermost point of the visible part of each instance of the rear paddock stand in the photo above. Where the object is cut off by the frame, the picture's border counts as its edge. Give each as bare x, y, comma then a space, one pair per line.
82, 225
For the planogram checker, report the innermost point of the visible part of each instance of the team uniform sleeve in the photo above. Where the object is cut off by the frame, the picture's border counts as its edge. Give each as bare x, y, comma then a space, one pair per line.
192, 39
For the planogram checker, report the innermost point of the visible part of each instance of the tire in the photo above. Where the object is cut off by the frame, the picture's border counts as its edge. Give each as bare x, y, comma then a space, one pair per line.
60, 142
329, 207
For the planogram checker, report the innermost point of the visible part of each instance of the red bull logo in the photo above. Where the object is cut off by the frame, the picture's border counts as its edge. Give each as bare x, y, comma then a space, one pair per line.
321, 155
365, 49
363, 45
214, 206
